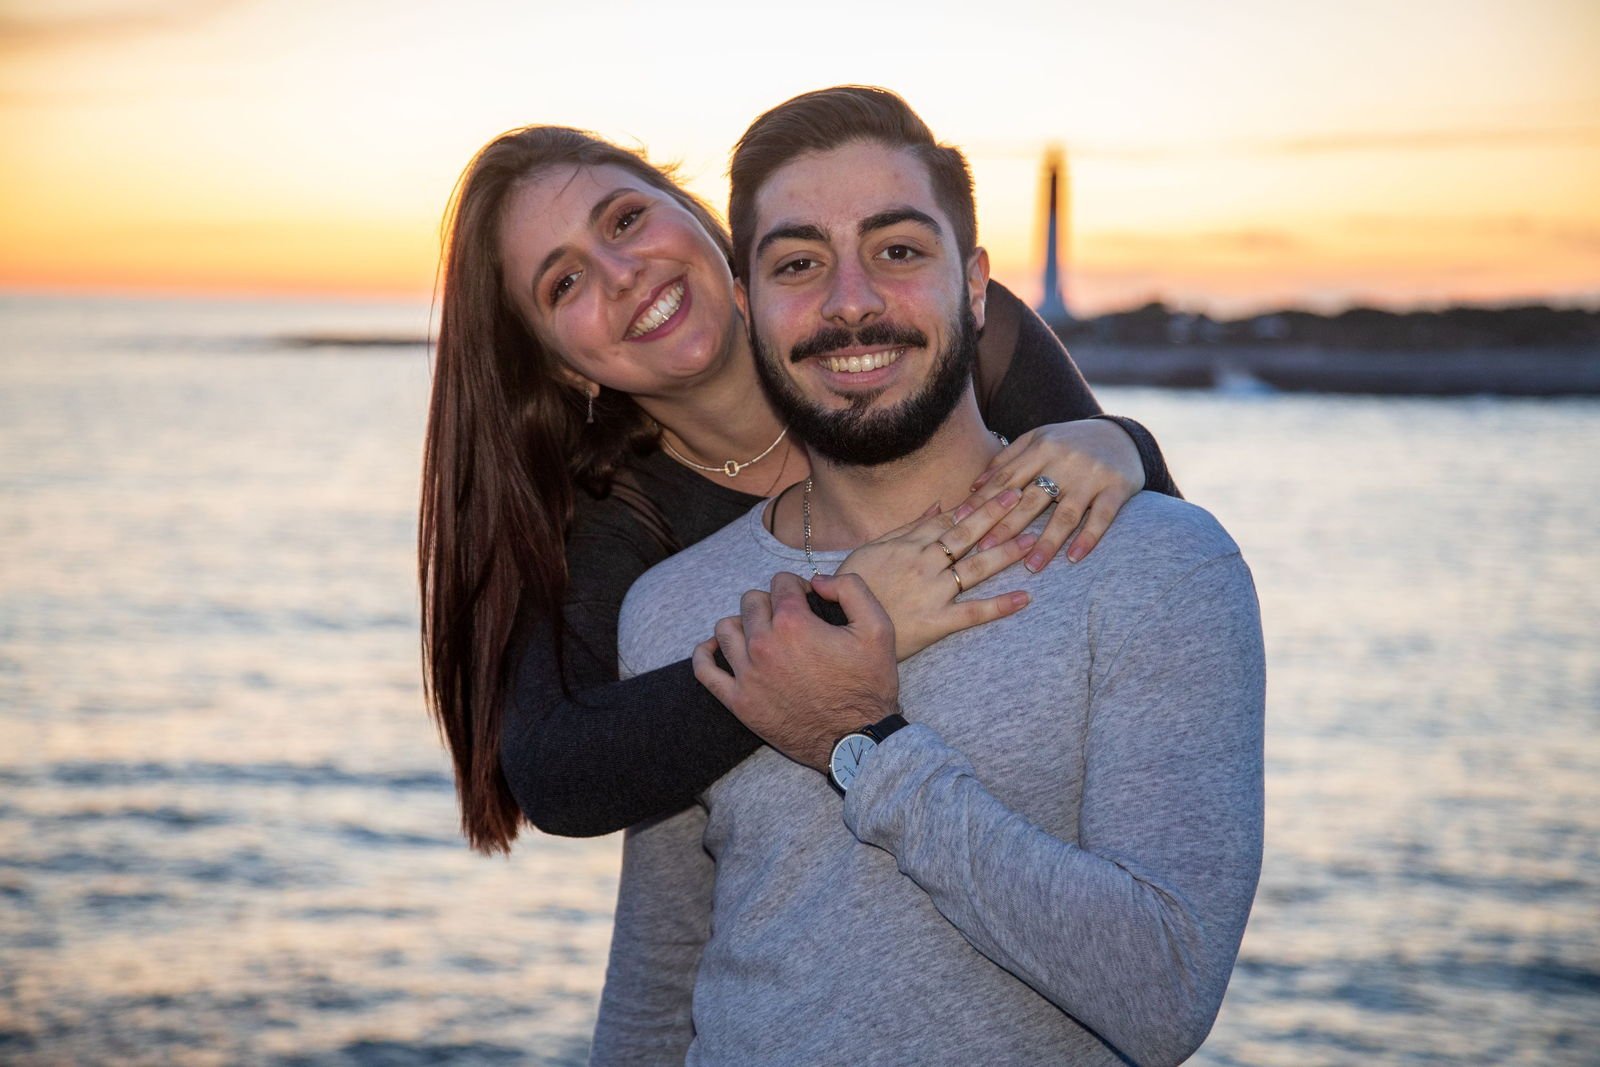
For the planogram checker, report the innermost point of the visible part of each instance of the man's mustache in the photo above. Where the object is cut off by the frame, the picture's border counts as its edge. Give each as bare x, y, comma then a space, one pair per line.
833, 338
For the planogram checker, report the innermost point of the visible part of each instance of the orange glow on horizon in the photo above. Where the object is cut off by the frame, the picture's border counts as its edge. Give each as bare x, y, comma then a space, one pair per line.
1216, 161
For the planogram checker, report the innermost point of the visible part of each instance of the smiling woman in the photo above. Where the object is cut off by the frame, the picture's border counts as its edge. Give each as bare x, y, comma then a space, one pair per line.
621, 278
596, 407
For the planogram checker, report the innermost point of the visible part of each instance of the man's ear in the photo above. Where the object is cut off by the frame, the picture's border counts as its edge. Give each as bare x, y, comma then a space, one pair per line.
741, 297
978, 283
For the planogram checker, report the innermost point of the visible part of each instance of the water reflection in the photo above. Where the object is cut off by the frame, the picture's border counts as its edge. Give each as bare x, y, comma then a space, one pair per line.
227, 831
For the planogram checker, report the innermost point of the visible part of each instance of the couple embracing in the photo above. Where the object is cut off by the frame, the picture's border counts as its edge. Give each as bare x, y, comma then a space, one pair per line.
878, 812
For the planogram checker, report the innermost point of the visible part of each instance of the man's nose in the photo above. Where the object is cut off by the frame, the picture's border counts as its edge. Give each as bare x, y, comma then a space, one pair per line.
853, 299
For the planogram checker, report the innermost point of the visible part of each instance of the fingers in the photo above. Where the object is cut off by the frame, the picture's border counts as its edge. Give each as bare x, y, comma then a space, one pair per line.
933, 523
790, 608
1017, 474
1034, 502
967, 532
718, 682
981, 566
1095, 524
827, 585
1056, 532
755, 613
966, 614
1005, 469
729, 636
992, 486
786, 585
1094, 453
850, 592
1001, 461
900, 531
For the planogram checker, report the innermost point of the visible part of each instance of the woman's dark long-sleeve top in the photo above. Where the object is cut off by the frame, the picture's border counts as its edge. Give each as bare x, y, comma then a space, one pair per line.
603, 754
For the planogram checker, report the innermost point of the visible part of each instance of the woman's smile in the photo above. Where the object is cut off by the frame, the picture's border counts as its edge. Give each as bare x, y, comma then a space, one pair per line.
662, 312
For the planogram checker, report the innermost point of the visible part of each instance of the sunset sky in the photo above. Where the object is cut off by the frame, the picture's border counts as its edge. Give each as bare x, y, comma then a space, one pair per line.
1224, 156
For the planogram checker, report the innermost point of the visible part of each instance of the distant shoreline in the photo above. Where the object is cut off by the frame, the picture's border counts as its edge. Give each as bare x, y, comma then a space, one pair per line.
352, 340
1521, 350
1534, 371
1527, 372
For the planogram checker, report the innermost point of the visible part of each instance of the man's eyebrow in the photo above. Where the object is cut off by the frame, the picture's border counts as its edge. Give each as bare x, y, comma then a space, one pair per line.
895, 216
796, 232
594, 217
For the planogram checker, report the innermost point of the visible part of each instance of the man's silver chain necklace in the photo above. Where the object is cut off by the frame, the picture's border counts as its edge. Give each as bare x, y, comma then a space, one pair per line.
805, 512
805, 524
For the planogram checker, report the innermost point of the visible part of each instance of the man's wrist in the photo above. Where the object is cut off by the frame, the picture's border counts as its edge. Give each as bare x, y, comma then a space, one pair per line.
851, 752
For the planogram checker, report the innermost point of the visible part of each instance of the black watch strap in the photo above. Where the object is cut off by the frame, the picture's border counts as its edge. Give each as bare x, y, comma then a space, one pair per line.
877, 731
880, 730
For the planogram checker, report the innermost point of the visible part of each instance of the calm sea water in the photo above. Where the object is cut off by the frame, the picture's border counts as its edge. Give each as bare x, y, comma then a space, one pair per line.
227, 828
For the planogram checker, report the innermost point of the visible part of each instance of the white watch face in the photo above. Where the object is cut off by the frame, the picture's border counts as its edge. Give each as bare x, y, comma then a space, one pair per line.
847, 757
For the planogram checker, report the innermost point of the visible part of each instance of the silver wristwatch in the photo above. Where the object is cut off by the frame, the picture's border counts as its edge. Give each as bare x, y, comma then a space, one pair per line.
853, 748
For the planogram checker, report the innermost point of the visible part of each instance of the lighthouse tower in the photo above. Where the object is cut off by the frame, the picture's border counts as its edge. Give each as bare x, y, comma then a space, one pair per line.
1053, 309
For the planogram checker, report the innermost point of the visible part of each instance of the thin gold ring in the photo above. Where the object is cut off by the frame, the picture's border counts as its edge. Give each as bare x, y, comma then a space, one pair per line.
959, 587
951, 556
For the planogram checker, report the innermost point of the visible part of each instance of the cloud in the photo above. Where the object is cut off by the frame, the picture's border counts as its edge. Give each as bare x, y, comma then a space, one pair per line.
1570, 235
1324, 144
1261, 242
38, 28
1430, 140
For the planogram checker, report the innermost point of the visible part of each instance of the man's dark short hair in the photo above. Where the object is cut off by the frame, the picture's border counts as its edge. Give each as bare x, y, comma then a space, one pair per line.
825, 119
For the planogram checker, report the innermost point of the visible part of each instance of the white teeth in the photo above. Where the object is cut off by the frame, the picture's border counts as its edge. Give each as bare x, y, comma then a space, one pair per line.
658, 313
858, 364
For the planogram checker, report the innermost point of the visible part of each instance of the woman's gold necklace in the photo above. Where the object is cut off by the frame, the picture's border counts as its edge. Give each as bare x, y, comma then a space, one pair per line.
732, 467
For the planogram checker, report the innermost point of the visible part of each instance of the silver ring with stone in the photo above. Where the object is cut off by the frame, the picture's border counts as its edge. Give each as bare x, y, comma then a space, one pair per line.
1051, 489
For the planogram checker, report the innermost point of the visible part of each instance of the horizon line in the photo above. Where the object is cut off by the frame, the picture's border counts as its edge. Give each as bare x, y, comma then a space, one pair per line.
1589, 302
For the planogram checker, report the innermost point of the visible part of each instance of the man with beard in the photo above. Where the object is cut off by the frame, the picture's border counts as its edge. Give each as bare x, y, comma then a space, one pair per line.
1050, 827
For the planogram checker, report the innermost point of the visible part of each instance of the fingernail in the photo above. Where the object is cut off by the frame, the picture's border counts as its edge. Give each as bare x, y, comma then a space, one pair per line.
1019, 601
963, 511
1027, 541
988, 542
1076, 553
1036, 561
1009, 497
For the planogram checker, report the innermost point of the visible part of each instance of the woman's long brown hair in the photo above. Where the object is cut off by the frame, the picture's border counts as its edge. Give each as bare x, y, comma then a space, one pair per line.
506, 452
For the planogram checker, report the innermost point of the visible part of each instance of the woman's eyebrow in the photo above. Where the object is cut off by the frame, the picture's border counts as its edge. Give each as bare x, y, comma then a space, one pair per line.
594, 217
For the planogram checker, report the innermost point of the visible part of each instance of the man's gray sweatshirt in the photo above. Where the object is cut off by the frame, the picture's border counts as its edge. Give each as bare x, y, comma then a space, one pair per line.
1053, 863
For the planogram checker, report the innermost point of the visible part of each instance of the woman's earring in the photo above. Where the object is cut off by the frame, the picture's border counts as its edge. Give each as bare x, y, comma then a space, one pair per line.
590, 419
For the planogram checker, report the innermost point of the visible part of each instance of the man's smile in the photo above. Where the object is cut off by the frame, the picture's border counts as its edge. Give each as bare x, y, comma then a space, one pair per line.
858, 362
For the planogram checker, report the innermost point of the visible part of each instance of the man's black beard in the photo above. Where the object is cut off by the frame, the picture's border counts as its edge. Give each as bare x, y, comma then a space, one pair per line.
857, 435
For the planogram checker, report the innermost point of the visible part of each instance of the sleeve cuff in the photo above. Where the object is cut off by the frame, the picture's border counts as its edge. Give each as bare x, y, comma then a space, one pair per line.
885, 798
1157, 478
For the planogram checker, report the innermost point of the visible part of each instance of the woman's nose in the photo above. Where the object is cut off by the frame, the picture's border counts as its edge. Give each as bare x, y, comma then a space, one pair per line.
620, 269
